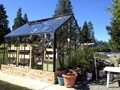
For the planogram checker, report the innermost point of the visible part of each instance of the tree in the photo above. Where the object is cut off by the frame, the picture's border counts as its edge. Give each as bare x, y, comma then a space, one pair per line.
3, 23
19, 20
63, 7
114, 27
102, 44
25, 18
85, 33
91, 31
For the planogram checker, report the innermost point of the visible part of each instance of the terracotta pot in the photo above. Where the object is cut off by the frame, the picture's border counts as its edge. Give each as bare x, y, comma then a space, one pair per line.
69, 79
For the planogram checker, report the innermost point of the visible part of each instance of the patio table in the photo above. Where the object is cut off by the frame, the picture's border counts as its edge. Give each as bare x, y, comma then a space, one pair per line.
111, 69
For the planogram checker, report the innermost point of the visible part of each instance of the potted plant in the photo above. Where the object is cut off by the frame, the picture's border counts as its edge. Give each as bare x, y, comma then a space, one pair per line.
71, 75
58, 75
86, 58
69, 79
60, 80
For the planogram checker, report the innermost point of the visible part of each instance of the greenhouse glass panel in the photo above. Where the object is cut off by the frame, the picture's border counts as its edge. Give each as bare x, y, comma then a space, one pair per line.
41, 26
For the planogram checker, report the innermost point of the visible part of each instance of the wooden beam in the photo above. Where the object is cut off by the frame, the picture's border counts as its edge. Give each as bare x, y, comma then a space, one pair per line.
54, 53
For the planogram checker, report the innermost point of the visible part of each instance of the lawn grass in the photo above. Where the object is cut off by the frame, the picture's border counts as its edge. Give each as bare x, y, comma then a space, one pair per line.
7, 86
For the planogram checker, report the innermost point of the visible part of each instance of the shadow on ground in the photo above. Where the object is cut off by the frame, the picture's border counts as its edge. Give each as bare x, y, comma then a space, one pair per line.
85, 85
82, 86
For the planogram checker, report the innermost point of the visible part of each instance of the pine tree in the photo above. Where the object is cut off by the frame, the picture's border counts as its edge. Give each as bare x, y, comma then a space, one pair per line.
19, 20
3, 23
114, 28
25, 18
63, 7
91, 31
85, 33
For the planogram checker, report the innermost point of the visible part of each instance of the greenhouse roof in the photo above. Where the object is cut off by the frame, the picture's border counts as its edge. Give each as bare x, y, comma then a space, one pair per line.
40, 26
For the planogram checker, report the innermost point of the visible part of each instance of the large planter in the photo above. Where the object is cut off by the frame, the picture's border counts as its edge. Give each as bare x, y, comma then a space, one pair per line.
60, 80
69, 79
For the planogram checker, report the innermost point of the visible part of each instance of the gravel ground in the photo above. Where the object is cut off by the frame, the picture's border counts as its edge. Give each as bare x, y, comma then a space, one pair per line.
113, 86
34, 84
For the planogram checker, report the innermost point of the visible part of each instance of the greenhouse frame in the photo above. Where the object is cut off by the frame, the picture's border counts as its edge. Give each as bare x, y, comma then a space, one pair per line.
42, 44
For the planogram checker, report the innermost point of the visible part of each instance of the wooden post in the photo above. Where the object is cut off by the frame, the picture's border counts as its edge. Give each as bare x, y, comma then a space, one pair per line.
30, 63
44, 52
17, 55
24, 51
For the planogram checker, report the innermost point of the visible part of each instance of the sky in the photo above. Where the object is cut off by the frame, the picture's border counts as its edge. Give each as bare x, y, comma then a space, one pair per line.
84, 10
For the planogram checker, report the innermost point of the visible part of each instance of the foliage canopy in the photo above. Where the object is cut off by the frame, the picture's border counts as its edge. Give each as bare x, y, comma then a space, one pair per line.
4, 29
19, 20
114, 28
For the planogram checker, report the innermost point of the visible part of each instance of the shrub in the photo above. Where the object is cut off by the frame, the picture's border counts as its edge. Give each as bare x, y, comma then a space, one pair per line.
82, 57
86, 58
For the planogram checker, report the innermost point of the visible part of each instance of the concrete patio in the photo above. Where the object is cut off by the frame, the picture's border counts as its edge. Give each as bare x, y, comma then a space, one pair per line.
34, 84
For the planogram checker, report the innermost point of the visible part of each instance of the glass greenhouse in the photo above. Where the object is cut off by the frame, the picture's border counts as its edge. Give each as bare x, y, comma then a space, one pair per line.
42, 44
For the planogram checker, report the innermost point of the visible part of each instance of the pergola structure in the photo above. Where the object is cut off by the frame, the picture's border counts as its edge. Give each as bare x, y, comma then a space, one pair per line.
42, 44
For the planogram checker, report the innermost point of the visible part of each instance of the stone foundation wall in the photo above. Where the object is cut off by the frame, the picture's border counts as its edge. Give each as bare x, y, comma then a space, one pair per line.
32, 73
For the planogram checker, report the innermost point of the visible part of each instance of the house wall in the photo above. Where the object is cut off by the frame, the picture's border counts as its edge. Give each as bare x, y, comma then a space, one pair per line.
32, 73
